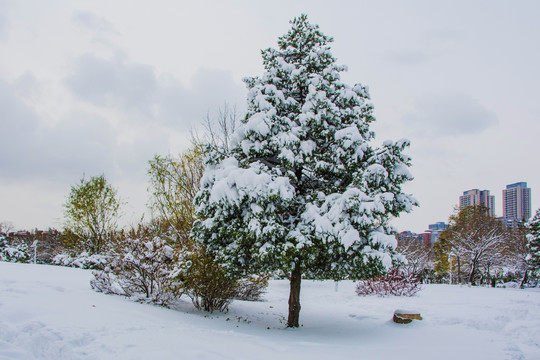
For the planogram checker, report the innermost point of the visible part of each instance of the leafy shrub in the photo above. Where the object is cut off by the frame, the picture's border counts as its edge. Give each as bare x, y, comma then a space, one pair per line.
394, 283
205, 282
143, 266
13, 252
91, 210
139, 267
509, 284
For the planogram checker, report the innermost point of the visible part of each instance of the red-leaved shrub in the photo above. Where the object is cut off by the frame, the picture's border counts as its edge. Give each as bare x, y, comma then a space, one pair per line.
394, 283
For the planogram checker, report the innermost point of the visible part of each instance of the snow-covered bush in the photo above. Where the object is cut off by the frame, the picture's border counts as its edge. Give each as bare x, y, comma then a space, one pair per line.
13, 252
509, 284
139, 266
142, 265
41, 245
81, 261
394, 283
106, 282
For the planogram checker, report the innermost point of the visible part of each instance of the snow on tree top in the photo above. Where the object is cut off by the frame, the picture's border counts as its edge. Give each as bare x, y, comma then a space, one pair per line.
303, 182
231, 183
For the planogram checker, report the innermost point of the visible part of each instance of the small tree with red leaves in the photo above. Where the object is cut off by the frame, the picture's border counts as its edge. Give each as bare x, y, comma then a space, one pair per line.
394, 283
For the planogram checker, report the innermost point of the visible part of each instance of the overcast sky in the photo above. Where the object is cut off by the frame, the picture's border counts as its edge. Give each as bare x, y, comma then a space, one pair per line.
99, 87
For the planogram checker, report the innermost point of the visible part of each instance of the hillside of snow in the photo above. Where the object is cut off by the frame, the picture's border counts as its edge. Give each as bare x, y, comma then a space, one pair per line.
49, 312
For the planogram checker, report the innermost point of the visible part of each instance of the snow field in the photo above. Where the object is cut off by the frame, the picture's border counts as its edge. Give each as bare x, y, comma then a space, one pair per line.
49, 312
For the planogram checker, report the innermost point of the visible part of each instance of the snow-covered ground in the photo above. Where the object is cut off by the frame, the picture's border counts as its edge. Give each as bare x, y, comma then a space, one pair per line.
49, 312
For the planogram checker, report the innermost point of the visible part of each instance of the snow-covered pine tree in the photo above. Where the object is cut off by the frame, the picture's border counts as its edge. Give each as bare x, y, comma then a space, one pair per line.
302, 190
12, 252
533, 243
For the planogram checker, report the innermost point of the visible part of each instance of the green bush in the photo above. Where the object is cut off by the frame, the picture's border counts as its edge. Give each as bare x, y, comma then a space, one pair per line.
206, 283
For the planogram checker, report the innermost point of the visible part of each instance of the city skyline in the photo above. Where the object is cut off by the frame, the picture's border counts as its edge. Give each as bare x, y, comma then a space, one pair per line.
475, 197
516, 200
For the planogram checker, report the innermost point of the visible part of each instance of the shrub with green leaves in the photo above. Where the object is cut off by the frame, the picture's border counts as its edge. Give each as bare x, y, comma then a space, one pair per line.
91, 211
205, 282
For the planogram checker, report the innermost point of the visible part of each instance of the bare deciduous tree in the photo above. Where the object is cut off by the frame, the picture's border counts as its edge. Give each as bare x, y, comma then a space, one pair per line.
477, 239
6, 227
174, 181
219, 128
419, 257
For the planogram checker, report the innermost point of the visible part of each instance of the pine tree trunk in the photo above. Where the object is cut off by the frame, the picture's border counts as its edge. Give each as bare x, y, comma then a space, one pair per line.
294, 296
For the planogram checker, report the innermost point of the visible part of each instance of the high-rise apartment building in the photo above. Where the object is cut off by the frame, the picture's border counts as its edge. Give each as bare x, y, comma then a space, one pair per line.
516, 202
478, 197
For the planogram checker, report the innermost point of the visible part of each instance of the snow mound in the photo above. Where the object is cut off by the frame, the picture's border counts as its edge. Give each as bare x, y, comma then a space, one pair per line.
50, 312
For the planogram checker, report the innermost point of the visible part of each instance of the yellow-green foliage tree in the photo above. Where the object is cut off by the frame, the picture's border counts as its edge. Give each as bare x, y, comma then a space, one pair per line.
91, 211
441, 251
174, 182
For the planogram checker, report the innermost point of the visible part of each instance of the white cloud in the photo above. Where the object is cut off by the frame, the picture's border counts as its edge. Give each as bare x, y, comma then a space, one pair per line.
114, 83
207, 91
408, 57
138, 91
101, 87
30, 149
93, 22
19, 124
3, 26
3, 20
450, 114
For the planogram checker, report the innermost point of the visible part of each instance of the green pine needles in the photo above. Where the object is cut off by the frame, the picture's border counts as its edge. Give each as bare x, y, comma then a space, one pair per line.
533, 243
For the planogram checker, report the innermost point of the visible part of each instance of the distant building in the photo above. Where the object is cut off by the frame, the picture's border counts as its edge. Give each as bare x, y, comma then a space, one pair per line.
475, 197
438, 226
409, 236
516, 203
435, 231
428, 237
